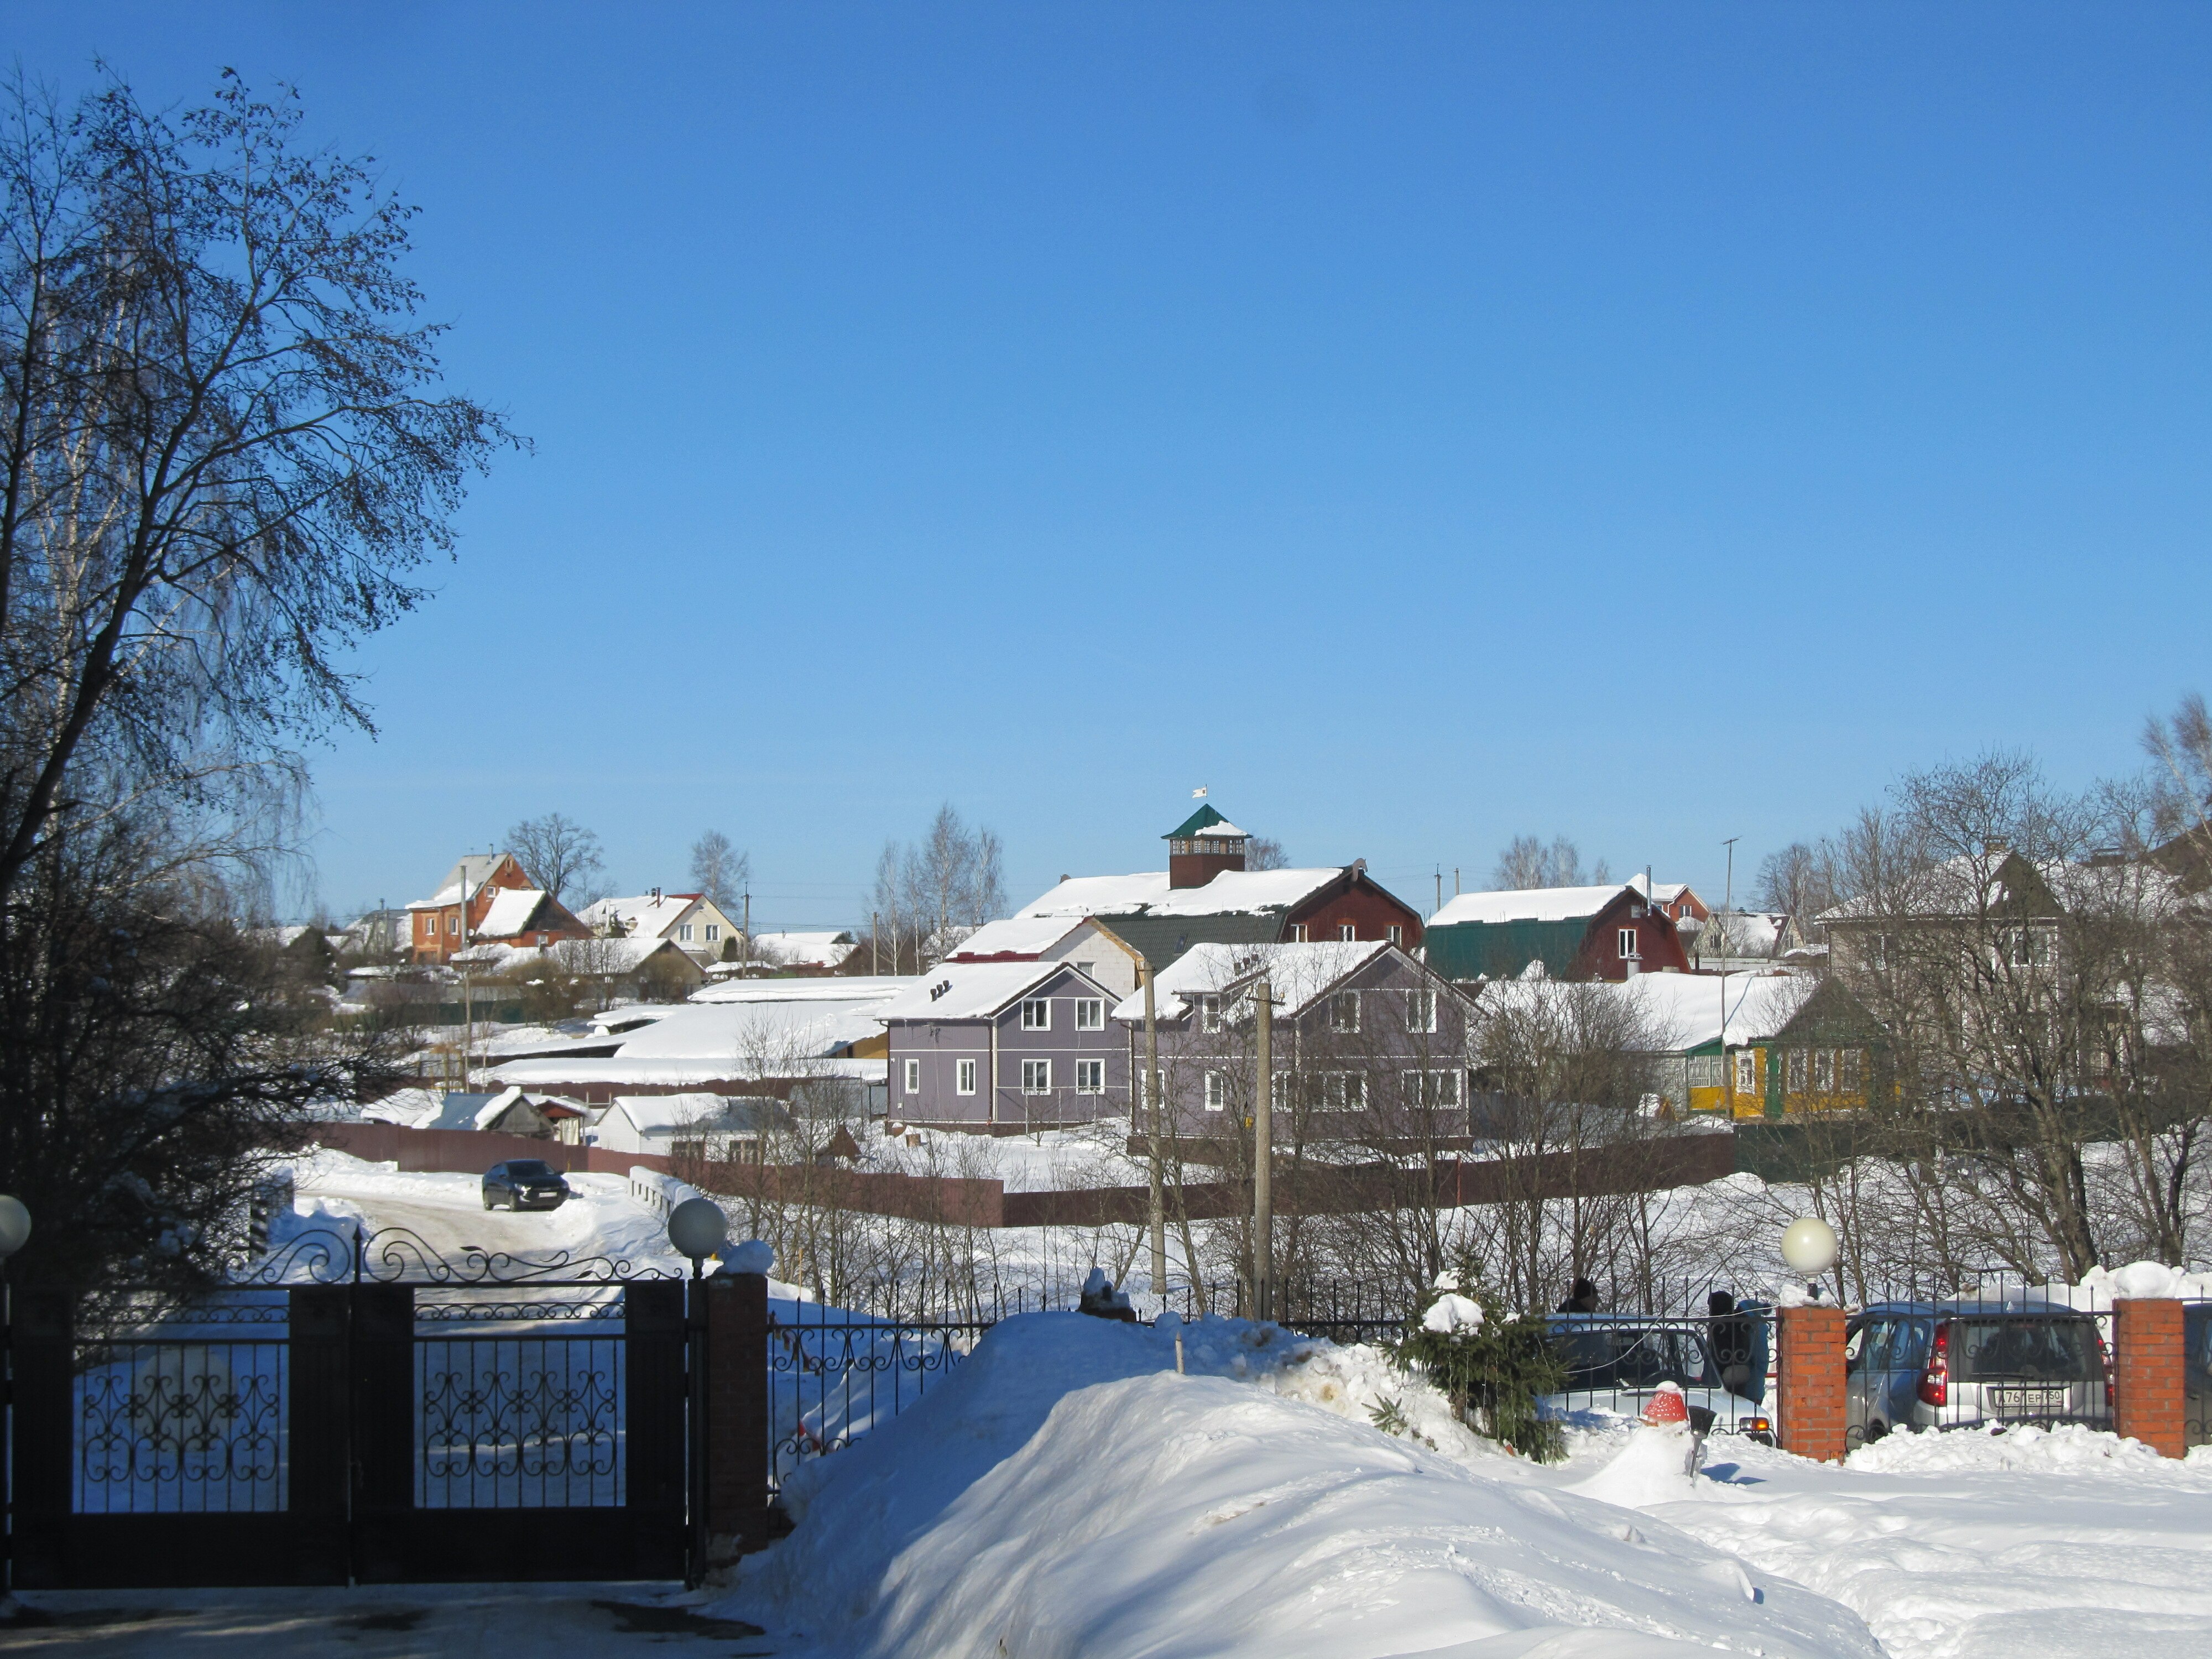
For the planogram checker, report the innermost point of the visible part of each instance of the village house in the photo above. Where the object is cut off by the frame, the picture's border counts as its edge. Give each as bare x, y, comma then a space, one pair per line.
526, 917
1368, 1043
1094, 948
693, 923
1003, 1047
1206, 896
1675, 900
1576, 932
447, 920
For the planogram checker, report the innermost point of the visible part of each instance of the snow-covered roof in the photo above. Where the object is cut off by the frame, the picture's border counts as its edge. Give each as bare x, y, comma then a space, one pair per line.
1678, 1011
591, 958
1219, 830
473, 870
1660, 892
842, 987
969, 990
1297, 974
509, 912
663, 1117
1528, 904
645, 916
638, 1071
815, 949
1232, 892
1018, 936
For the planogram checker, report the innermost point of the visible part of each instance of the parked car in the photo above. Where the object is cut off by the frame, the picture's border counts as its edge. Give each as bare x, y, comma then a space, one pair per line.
2196, 1399
524, 1183
1616, 1362
1962, 1364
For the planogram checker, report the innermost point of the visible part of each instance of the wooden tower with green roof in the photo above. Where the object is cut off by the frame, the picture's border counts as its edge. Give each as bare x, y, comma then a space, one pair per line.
1201, 847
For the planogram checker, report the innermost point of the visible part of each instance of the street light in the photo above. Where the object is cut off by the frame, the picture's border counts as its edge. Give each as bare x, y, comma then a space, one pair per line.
1809, 1245
15, 1225
696, 1227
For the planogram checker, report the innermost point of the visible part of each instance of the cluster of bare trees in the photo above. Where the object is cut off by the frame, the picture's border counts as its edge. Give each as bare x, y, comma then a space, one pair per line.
1527, 861
931, 894
224, 452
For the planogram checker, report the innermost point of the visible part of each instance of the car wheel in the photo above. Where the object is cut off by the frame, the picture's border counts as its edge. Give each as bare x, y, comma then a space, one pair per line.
1876, 1430
486, 1200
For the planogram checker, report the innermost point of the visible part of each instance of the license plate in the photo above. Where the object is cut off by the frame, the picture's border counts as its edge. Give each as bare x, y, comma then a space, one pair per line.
2026, 1400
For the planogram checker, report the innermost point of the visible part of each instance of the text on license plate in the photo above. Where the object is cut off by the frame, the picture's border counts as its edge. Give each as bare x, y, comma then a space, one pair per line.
2015, 1400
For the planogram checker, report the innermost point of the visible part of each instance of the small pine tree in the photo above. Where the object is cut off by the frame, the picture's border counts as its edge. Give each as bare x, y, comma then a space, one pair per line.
1496, 1372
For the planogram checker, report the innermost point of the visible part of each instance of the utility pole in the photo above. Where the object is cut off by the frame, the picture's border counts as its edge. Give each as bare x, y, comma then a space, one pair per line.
1727, 897
468, 1004
1440, 889
1263, 1160
1158, 1216
749, 922
875, 943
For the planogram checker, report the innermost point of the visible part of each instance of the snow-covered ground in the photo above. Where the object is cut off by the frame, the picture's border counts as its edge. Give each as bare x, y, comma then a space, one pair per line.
1066, 1493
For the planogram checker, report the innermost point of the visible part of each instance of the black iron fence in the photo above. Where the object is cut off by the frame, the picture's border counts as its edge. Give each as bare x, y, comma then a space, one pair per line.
835, 1376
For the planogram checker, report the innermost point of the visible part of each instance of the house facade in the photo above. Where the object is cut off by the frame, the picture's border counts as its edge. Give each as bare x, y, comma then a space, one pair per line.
1367, 1044
1576, 932
1100, 953
693, 923
446, 922
1003, 1047
1206, 896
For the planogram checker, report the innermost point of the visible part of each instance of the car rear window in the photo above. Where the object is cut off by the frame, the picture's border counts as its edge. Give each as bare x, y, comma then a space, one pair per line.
529, 1169
2039, 1349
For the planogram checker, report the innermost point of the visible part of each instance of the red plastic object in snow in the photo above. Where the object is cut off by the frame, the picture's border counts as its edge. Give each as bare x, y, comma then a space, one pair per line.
1666, 1405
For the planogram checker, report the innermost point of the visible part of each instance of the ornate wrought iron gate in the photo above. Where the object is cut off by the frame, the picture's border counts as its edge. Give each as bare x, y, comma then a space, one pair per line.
355, 1409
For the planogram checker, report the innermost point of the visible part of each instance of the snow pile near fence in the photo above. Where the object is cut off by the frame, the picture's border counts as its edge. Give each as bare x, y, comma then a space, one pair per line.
1063, 1493
2102, 1286
2033, 1544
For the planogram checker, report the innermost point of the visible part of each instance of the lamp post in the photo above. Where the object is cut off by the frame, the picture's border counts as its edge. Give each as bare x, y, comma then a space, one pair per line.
696, 1227
1809, 1245
14, 1233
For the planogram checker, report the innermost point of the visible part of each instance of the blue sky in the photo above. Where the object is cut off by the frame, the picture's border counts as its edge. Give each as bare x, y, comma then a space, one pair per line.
1419, 424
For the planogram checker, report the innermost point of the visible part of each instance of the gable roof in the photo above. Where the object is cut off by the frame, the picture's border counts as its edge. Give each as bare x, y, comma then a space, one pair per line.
473, 868
514, 911
1297, 974
974, 990
814, 949
645, 916
1233, 892
1022, 937
1529, 904
1208, 822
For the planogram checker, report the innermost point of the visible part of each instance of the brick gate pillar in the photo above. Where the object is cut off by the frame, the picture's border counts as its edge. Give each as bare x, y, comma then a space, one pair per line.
1811, 1385
2148, 1383
736, 1416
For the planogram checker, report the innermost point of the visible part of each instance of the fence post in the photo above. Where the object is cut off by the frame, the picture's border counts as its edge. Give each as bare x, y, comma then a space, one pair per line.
1812, 1382
2148, 1381
737, 1428
44, 1345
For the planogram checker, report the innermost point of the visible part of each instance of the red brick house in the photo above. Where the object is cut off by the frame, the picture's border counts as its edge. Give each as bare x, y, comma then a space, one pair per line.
1576, 932
437, 929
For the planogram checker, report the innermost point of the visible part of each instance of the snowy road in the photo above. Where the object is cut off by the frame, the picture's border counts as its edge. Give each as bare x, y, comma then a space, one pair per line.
398, 1621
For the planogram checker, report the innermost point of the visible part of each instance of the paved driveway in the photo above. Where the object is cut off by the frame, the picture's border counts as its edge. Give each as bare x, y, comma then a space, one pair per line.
391, 1621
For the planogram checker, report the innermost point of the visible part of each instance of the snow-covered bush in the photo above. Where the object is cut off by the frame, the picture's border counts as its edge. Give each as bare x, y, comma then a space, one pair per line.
1495, 1370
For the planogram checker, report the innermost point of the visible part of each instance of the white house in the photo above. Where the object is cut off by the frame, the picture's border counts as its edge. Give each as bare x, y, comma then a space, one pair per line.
693, 923
669, 1124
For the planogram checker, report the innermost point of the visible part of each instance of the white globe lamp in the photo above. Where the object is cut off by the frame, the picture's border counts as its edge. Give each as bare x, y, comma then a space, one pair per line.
696, 1227
1809, 1245
15, 1225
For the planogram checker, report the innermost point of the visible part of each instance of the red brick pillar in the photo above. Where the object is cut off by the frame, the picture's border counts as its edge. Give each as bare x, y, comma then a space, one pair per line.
1811, 1385
2147, 1373
736, 1416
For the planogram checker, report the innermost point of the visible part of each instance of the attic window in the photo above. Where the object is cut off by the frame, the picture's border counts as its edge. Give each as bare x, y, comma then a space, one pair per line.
1346, 932
1209, 1012
1090, 1014
1628, 944
1397, 934
1344, 1012
1036, 1014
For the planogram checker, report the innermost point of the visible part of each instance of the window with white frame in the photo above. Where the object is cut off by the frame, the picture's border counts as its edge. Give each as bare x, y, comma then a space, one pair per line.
1036, 1077
1795, 1072
963, 1076
913, 1077
1036, 1014
1209, 1012
1090, 1014
1347, 933
1436, 1090
1705, 1072
1297, 932
714, 931
1281, 1097
1747, 1072
1627, 943
1824, 1071
1420, 1011
1088, 969
1344, 1091
1397, 934
683, 933
453, 922
1090, 1077
1217, 1091
1847, 1070
1344, 1012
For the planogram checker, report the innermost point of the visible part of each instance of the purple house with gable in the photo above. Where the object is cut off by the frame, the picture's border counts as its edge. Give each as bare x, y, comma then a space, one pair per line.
1004, 1047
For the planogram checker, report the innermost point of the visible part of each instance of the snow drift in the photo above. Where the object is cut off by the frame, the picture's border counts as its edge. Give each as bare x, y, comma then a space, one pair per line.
1066, 1493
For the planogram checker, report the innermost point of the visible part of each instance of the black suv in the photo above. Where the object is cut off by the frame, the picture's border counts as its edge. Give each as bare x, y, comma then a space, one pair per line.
524, 1183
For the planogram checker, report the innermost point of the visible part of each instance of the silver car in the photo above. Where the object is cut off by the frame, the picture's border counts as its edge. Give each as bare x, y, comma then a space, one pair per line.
1964, 1364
